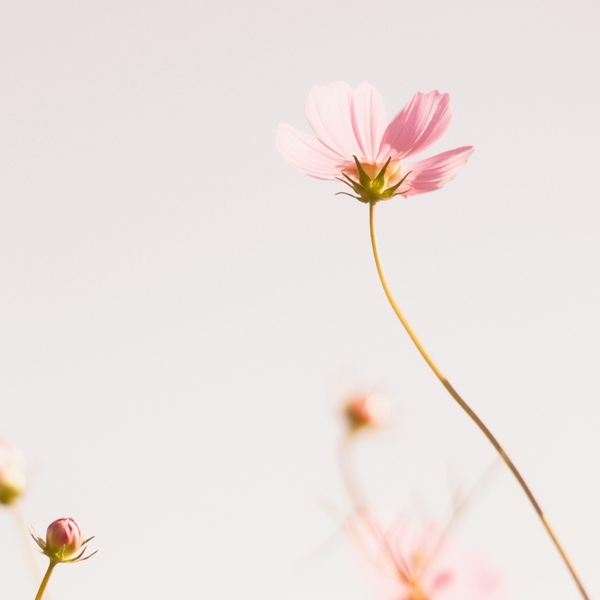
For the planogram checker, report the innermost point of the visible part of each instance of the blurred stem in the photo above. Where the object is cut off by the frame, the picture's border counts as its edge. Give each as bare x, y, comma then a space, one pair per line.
32, 555
459, 506
460, 503
45, 581
455, 395
351, 484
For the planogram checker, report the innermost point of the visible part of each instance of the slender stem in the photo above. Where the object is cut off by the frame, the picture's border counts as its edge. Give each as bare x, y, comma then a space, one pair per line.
461, 503
353, 489
31, 554
45, 581
488, 434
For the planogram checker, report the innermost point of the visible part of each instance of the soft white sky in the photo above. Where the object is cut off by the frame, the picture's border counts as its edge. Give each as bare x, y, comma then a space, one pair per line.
180, 308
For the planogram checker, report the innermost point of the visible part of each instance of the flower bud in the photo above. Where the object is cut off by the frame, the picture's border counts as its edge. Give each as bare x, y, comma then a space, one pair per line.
12, 475
364, 411
63, 539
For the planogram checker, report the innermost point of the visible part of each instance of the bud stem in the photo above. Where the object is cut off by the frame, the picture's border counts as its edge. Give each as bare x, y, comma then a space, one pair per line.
45, 581
455, 395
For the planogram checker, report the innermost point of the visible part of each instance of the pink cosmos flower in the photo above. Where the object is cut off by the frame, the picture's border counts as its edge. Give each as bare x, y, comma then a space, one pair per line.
12, 473
355, 144
410, 560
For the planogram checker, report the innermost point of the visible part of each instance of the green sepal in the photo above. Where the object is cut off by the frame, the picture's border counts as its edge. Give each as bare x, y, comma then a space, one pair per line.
369, 190
380, 177
364, 179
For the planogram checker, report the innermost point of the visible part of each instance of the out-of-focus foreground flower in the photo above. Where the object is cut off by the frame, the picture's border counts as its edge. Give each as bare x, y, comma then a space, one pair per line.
410, 560
12, 473
64, 538
355, 144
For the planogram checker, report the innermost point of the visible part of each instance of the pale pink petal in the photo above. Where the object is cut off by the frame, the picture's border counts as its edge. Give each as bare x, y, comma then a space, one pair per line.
369, 120
442, 580
307, 154
421, 123
329, 113
432, 173
486, 581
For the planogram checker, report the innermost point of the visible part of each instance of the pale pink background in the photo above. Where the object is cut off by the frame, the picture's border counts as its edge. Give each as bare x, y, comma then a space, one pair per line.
179, 307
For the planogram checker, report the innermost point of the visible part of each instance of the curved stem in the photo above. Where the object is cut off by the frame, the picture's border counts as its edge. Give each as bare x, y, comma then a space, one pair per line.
45, 581
488, 434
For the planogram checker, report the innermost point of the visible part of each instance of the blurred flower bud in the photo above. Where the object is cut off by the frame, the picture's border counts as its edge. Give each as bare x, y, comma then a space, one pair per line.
12, 473
363, 411
63, 539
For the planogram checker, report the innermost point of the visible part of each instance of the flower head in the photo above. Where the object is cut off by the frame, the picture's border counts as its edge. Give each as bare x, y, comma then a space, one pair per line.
64, 538
12, 473
410, 560
355, 144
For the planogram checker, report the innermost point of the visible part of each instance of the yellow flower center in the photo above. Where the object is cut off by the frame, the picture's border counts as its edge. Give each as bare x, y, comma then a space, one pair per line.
373, 169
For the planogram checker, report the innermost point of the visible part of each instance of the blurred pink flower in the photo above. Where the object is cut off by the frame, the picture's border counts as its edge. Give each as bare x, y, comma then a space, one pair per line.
410, 560
12, 473
355, 144
64, 538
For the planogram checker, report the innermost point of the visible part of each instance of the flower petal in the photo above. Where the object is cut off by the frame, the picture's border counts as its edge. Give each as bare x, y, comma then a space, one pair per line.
421, 123
434, 172
369, 120
329, 110
307, 154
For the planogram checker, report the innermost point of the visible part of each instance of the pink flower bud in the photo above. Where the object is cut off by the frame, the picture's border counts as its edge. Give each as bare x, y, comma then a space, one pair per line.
63, 538
364, 410
12, 475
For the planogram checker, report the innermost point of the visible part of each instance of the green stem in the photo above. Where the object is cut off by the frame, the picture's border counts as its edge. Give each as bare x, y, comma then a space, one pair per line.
488, 434
45, 581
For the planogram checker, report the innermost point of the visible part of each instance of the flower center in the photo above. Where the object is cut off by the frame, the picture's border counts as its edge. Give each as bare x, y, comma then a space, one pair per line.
416, 593
373, 182
373, 169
